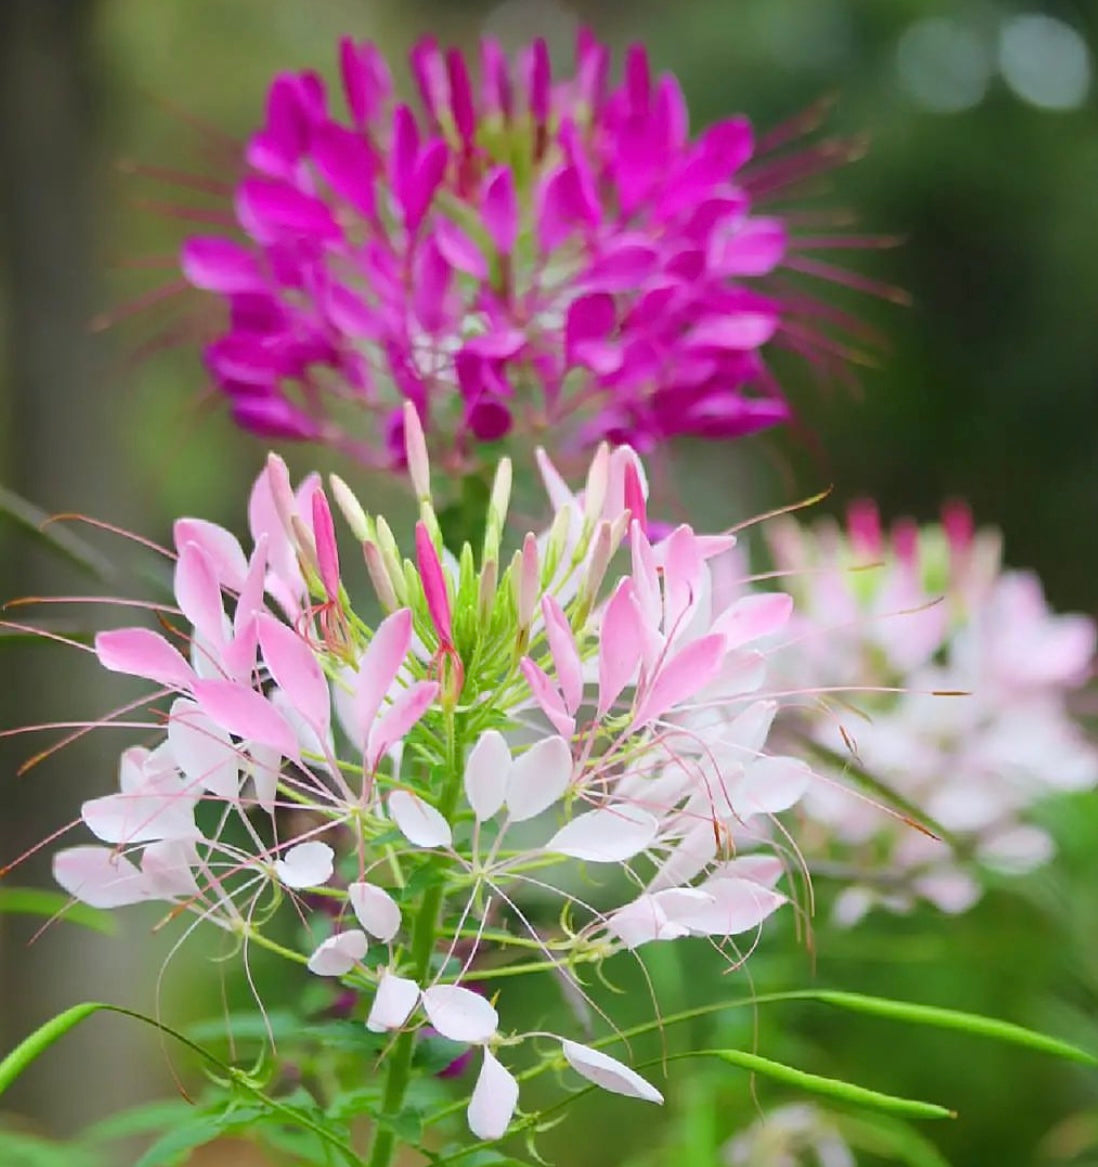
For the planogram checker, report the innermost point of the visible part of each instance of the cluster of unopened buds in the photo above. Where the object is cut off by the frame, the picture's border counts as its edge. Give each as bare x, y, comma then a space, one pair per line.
964, 722
521, 255
589, 703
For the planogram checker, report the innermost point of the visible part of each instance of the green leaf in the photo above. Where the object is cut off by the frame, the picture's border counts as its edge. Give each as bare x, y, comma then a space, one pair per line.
138, 1120
18, 1149
33, 901
174, 1147
37, 523
31, 1048
828, 1087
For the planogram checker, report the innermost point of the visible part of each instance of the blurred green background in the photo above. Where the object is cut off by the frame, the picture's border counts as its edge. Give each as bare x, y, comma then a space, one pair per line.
983, 157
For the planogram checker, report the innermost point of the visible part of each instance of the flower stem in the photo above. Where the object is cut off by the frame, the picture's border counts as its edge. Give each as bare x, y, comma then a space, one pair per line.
425, 934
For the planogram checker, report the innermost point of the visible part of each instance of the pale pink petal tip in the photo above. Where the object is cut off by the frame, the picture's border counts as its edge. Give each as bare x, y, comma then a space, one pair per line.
460, 1014
394, 1001
337, 955
494, 1099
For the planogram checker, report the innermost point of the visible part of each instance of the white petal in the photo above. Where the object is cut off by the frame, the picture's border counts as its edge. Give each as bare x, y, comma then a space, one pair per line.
418, 821
539, 778
305, 865
494, 1099
163, 809
486, 774
376, 910
608, 1072
721, 907
394, 1001
643, 921
338, 954
460, 1014
168, 869
203, 750
99, 877
770, 786
610, 835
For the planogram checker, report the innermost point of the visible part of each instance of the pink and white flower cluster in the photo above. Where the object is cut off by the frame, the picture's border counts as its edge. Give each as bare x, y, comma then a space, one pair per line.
518, 253
967, 709
500, 730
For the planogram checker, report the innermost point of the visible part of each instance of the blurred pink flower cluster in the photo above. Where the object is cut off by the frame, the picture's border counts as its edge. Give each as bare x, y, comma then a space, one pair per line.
964, 705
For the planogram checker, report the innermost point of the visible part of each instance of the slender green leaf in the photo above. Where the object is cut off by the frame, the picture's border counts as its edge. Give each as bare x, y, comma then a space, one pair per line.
36, 522
137, 1120
19, 1149
34, 901
828, 1087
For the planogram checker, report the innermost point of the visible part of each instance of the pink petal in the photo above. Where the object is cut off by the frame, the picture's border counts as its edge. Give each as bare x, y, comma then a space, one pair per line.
418, 821
609, 835
199, 594
494, 1099
619, 646
306, 865
566, 661
139, 652
296, 671
337, 955
379, 666
546, 695
460, 1014
753, 616
203, 750
394, 1001
539, 778
487, 773
608, 1072
161, 811
405, 711
221, 548
246, 713
99, 877
375, 909
327, 553
690, 669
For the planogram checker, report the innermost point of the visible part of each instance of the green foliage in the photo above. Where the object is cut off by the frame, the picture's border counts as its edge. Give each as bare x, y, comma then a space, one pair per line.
35, 901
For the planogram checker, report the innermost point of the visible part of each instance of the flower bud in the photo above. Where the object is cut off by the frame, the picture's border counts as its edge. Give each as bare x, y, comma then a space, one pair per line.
350, 508
415, 452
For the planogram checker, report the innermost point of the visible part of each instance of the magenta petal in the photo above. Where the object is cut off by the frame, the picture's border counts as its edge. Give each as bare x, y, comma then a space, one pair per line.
219, 265
459, 250
489, 420
434, 584
271, 210
736, 331
379, 666
347, 164
499, 209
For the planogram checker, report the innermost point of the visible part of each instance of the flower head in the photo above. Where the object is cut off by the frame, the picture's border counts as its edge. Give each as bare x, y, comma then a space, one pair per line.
515, 253
494, 735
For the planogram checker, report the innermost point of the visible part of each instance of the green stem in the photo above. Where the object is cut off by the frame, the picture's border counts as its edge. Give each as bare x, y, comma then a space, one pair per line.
425, 934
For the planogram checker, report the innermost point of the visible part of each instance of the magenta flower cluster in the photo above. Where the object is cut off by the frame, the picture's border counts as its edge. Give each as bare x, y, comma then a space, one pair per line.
522, 254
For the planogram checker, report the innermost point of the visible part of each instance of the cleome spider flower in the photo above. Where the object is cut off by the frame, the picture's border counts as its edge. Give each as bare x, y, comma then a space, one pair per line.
582, 722
516, 255
967, 718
